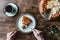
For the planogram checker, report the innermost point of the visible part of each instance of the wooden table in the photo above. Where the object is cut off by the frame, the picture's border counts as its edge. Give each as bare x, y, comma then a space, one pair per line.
8, 24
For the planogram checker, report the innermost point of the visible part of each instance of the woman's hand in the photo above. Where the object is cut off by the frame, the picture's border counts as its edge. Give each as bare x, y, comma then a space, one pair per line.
37, 34
10, 35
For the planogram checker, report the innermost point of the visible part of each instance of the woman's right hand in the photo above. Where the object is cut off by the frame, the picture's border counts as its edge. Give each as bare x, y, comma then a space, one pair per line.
37, 34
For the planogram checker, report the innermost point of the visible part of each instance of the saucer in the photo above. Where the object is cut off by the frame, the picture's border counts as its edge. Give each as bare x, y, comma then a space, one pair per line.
9, 14
31, 26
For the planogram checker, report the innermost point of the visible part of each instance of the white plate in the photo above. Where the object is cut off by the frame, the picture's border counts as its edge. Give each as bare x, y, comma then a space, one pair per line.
31, 26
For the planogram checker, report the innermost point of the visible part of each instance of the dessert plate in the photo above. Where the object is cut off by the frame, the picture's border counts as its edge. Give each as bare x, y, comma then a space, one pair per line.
31, 26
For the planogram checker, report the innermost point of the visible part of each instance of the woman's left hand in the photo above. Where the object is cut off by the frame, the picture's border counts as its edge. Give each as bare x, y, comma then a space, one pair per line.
10, 35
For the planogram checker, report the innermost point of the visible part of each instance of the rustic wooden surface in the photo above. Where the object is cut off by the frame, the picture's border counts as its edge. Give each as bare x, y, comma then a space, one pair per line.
8, 24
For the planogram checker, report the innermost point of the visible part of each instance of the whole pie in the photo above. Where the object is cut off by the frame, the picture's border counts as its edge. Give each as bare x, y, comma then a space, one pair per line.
54, 5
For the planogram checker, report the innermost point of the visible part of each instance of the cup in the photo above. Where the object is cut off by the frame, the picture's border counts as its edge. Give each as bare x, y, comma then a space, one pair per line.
10, 9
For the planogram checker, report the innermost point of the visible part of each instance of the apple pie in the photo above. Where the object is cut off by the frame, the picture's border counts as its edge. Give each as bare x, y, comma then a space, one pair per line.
54, 5
25, 21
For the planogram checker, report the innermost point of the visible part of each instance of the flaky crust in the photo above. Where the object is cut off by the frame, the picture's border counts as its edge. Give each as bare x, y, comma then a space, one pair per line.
42, 5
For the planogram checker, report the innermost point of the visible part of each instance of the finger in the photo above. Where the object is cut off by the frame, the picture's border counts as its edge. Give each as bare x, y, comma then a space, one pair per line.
34, 31
10, 32
13, 33
38, 31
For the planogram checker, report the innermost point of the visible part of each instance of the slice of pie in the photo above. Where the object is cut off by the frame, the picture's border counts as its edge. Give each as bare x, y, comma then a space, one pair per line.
25, 21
